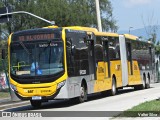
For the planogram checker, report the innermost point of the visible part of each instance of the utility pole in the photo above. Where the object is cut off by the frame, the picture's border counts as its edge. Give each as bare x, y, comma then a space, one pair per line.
98, 16
130, 29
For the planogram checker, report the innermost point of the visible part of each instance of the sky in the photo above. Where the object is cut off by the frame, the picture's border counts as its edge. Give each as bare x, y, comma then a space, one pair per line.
136, 13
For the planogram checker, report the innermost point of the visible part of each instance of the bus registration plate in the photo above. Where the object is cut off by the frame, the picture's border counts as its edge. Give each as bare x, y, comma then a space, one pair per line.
36, 97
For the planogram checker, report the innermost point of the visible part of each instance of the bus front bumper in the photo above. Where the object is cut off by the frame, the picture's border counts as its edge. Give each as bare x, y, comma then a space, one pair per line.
42, 98
37, 93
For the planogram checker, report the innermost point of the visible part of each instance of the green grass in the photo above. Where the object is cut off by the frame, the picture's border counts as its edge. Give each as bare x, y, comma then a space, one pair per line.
4, 95
147, 108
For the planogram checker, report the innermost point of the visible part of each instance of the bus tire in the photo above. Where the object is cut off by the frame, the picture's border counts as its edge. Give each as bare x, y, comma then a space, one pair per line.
113, 89
83, 94
35, 103
143, 86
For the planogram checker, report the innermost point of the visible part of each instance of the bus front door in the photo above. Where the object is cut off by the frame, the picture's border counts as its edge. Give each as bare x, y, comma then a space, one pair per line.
91, 58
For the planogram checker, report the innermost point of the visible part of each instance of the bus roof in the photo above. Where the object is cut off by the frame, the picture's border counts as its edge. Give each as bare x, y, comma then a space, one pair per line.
88, 29
94, 30
106, 34
82, 28
129, 36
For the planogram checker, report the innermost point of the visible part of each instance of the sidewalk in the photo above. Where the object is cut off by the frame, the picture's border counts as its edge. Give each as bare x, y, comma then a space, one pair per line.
5, 100
5, 97
8, 103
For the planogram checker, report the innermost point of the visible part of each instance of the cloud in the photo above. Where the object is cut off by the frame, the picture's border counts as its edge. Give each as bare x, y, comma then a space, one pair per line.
133, 3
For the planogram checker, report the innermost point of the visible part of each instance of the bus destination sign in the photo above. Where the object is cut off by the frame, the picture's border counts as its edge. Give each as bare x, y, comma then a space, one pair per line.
36, 37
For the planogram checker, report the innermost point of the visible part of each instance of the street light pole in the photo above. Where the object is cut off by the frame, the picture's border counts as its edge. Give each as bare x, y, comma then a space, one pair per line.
130, 29
98, 16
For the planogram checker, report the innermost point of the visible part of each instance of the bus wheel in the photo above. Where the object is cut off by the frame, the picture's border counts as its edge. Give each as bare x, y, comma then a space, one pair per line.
113, 89
83, 94
35, 103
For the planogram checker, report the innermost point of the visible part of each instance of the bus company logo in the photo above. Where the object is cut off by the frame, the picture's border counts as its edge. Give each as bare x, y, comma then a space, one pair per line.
100, 69
44, 91
118, 67
135, 67
30, 91
6, 114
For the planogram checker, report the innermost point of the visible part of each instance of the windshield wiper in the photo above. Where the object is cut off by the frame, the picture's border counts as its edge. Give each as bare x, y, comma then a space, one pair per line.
25, 48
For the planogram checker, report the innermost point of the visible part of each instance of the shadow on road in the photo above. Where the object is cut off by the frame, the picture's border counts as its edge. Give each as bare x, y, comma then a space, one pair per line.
71, 102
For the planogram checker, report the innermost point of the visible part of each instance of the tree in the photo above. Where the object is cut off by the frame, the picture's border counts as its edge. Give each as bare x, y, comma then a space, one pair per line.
63, 12
151, 31
151, 28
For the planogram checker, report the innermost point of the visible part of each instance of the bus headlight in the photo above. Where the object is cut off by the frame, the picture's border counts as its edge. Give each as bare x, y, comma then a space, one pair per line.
13, 87
60, 84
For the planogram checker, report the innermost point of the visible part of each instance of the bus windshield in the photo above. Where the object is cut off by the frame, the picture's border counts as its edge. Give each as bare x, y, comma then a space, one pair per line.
30, 58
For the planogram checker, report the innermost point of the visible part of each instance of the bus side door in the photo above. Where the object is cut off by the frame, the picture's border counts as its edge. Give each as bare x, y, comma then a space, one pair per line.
106, 60
91, 57
131, 77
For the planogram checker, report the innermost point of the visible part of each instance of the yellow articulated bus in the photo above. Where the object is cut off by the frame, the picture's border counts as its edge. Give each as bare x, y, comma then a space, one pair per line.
72, 62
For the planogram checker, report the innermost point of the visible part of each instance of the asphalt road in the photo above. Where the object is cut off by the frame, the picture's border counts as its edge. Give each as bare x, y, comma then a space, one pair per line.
124, 100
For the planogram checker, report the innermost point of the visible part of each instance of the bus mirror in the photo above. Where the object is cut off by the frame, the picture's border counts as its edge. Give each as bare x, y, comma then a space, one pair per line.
73, 50
3, 54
